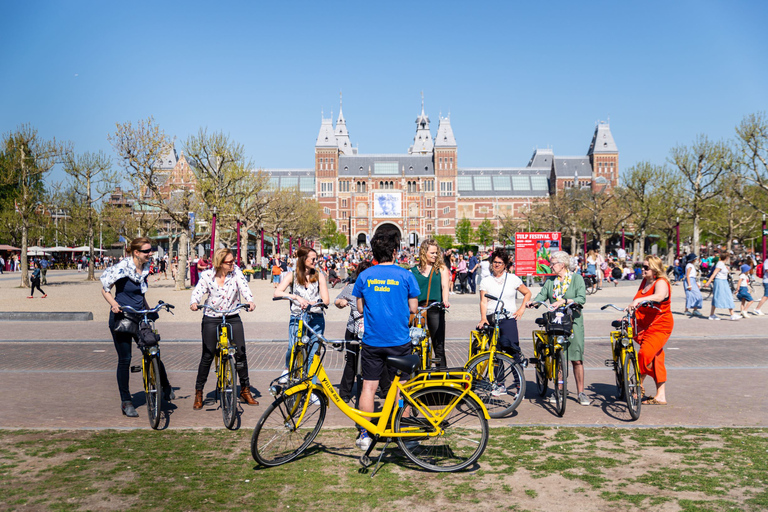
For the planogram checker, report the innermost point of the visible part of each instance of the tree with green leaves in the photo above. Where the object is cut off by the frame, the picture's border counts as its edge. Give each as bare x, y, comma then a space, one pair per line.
26, 159
464, 233
330, 236
444, 241
92, 180
485, 234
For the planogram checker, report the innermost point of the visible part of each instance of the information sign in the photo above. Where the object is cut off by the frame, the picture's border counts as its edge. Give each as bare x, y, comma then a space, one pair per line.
533, 251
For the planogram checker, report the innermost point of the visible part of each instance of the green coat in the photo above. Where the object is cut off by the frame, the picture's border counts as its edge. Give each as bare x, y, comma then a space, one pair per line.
577, 292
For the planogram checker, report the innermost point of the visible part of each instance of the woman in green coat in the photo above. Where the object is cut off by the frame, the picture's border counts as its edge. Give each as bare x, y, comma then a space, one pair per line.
568, 287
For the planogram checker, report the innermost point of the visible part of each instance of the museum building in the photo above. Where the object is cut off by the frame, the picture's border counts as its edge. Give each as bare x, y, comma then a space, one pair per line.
425, 192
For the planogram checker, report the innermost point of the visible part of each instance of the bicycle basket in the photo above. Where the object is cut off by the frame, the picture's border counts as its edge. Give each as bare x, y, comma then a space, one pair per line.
559, 323
147, 337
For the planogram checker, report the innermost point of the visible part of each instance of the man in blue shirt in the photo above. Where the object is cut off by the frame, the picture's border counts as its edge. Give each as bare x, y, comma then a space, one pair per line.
44, 264
472, 266
386, 295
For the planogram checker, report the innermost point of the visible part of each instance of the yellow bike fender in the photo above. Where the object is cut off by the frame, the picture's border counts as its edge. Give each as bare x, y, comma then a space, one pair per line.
301, 386
480, 403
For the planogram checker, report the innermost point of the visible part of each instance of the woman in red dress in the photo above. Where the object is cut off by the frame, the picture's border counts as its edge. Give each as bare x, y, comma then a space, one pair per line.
654, 327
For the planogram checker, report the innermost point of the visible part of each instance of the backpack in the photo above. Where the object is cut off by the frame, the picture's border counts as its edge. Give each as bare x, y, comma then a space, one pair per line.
759, 271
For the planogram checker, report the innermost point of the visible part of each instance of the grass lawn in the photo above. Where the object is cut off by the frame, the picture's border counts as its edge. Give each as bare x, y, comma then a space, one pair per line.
522, 469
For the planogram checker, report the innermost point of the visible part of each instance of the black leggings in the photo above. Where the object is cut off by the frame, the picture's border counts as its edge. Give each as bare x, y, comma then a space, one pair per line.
124, 345
436, 326
210, 340
35, 284
350, 367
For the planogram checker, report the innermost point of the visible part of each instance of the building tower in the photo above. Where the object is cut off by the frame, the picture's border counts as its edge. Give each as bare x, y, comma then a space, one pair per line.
341, 133
326, 167
422, 141
445, 163
604, 158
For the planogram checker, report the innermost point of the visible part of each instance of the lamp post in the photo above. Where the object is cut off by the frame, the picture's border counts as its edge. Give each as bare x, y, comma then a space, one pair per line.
278, 241
213, 232
262, 242
622, 238
677, 229
764, 237
290, 246
238, 242
585, 244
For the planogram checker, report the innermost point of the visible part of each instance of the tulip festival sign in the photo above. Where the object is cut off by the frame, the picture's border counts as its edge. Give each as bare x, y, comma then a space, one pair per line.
533, 251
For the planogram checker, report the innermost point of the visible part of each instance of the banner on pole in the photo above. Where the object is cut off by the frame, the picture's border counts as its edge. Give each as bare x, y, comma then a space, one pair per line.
533, 251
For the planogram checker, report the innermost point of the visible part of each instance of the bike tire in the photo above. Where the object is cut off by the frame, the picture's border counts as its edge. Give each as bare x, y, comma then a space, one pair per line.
277, 439
632, 393
507, 371
465, 430
541, 373
298, 369
618, 371
560, 383
228, 392
153, 392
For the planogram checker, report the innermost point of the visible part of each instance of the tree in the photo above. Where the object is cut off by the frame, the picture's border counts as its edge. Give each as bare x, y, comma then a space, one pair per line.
464, 232
444, 241
485, 233
330, 236
701, 166
26, 159
139, 149
251, 201
751, 162
92, 180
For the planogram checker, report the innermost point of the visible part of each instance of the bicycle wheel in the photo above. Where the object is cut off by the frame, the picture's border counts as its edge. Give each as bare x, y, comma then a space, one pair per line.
228, 392
502, 395
541, 372
282, 433
560, 384
153, 392
465, 430
618, 371
632, 392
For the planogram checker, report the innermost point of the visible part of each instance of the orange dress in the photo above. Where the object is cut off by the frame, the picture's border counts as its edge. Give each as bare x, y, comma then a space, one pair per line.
653, 330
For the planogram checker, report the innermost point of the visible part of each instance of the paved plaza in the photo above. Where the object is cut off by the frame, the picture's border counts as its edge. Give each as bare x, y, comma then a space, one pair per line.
58, 374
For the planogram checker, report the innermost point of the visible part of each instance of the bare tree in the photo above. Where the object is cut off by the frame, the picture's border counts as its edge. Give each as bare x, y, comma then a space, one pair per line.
701, 166
93, 180
139, 148
751, 163
27, 159
251, 201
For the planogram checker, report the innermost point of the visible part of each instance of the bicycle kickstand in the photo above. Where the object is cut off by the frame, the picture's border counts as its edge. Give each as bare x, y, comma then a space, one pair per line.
381, 455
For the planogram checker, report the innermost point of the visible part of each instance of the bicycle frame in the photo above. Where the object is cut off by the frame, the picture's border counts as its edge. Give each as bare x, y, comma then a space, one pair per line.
423, 348
549, 349
488, 345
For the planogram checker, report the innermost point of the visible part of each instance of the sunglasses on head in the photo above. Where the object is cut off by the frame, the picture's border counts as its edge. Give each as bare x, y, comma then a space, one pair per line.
147, 251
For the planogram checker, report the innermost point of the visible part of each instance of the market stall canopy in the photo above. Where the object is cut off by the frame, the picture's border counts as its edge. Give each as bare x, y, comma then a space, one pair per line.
6, 247
85, 248
36, 253
59, 249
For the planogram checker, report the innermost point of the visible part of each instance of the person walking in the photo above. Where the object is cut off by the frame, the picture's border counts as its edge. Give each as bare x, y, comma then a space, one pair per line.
35, 281
721, 292
44, 265
434, 282
568, 287
225, 286
654, 326
693, 299
129, 277
473, 265
461, 270
758, 310
743, 295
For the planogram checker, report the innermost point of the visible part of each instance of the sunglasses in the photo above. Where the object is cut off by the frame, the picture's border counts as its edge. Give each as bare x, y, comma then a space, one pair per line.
230, 262
498, 262
145, 251
646, 267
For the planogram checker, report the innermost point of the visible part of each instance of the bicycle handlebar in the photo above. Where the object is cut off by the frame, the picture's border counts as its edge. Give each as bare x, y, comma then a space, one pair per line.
437, 304
228, 312
319, 304
537, 303
160, 305
645, 303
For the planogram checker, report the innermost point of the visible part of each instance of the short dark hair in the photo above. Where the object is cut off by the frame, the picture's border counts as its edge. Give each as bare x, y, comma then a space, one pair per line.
500, 253
384, 245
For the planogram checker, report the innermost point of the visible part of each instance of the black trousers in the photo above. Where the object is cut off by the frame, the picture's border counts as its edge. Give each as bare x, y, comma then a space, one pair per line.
463, 281
209, 330
436, 326
35, 284
350, 367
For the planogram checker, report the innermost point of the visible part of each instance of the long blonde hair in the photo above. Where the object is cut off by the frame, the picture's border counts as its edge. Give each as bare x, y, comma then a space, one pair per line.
657, 267
425, 245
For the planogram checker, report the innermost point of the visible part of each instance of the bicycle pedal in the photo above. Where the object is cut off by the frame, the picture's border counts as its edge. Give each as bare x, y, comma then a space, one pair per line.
135, 369
533, 360
610, 363
239, 365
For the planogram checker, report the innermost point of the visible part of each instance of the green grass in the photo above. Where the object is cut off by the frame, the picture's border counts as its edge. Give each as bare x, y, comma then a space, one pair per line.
607, 469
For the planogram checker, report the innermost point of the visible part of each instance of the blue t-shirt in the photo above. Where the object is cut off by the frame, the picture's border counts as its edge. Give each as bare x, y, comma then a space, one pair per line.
385, 290
472, 263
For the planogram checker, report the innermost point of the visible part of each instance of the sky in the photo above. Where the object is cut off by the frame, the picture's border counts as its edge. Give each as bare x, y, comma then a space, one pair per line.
513, 75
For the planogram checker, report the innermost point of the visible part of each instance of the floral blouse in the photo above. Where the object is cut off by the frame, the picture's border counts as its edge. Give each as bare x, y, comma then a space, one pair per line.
222, 297
126, 268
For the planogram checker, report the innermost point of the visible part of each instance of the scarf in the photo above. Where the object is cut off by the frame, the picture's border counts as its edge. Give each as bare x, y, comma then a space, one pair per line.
561, 286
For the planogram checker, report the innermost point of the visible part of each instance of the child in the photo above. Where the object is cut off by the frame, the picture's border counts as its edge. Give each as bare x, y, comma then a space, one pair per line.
744, 295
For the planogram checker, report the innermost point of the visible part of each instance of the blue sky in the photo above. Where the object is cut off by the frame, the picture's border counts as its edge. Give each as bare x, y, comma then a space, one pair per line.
513, 75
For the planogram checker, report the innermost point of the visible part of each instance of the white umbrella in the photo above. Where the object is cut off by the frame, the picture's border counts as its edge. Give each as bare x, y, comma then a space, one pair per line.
85, 248
36, 253
58, 248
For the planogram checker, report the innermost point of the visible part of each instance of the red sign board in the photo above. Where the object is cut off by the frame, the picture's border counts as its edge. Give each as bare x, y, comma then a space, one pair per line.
532, 253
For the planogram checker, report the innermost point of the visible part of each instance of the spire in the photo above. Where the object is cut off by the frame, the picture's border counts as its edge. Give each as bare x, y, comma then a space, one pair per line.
341, 133
422, 141
326, 138
445, 138
602, 140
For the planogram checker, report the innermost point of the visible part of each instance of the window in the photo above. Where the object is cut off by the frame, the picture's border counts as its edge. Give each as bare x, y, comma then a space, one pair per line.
446, 188
540, 183
446, 222
344, 203
429, 202
451, 167
441, 163
429, 214
289, 182
384, 168
429, 186
326, 189
343, 215
483, 183
413, 187
331, 164
464, 183
327, 211
447, 210
501, 183
429, 227
521, 183
360, 186
307, 184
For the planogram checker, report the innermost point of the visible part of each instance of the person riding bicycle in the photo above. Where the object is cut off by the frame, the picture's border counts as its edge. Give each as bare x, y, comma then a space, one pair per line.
566, 288
505, 286
433, 279
654, 326
386, 295
225, 285
129, 277
308, 286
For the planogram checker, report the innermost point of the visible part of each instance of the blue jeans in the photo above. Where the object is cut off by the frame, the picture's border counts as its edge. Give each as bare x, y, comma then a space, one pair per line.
316, 321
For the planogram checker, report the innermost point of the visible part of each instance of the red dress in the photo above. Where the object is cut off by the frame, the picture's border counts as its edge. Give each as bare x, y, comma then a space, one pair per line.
653, 330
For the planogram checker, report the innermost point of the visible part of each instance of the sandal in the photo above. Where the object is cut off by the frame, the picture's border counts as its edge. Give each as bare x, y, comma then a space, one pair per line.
653, 401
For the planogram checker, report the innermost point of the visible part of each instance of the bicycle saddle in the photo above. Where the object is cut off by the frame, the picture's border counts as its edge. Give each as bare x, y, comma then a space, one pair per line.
541, 322
406, 364
616, 324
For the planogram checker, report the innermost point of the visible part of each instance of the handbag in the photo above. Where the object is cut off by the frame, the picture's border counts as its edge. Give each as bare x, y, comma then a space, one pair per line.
559, 322
127, 323
413, 321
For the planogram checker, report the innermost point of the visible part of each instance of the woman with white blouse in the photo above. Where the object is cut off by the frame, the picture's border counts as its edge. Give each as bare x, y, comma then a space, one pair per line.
225, 285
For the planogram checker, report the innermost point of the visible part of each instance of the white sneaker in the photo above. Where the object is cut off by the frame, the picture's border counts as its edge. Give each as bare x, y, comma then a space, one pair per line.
552, 399
583, 399
757, 312
314, 400
744, 314
363, 442
499, 390
714, 317
735, 317
283, 377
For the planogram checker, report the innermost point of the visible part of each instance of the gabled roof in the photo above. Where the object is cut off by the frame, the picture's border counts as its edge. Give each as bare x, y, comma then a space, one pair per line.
602, 140
167, 161
386, 165
422, 141
542, 158
569, 166
445, 138
326, 137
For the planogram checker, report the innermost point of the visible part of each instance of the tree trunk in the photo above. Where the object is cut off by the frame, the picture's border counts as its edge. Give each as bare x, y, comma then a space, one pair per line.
90, 246
603, 242
181, 271
670, 252
24, 263
573, 243
243, 245
695, 239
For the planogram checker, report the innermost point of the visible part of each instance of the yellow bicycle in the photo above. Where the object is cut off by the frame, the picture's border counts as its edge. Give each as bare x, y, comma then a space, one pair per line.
421, 339
550, 346
225, 365
624, 361
298, 363
497, 378
436, 409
